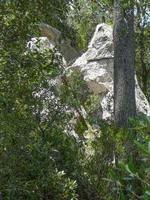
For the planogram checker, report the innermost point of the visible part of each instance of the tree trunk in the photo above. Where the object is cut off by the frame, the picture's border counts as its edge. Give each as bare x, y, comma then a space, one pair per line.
124, 80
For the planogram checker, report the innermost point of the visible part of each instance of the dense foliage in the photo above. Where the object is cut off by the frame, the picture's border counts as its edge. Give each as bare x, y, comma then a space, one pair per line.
39, 157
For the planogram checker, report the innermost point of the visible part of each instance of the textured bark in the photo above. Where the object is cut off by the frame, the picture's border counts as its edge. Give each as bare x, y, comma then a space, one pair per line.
124, 81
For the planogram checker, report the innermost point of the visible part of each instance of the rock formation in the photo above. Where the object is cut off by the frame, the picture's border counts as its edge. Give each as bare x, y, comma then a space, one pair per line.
69, 52
96, 66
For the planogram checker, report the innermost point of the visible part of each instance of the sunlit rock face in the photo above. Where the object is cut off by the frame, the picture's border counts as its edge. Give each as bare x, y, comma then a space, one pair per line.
96, 65
40, 44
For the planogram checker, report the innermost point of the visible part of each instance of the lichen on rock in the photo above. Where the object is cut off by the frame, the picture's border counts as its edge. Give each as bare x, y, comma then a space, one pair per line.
96, 67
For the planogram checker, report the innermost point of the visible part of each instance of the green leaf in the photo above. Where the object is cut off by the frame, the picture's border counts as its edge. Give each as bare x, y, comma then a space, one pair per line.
122, 197
147, 193
143, 148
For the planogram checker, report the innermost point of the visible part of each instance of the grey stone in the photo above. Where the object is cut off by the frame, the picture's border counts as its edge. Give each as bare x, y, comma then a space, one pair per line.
96, 65
69, 52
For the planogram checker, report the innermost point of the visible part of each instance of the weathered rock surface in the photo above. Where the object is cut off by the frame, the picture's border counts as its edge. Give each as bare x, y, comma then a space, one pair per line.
69, 52
96, 65
40, 44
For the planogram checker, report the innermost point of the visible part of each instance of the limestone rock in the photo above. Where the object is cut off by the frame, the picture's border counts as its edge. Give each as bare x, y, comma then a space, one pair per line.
96, 65
69, 52
50, 32
40, 44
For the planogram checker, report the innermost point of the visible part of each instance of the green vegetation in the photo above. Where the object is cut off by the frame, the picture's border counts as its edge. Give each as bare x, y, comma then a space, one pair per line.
39, 159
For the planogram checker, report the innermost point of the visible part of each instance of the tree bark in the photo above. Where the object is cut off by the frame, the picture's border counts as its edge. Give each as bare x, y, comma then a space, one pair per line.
124, 79
124, 73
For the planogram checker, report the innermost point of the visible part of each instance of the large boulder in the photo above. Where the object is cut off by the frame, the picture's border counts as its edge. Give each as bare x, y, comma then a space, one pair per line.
96, 65
55, 37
